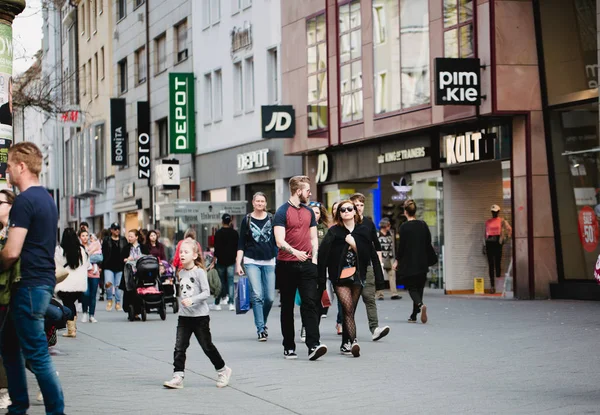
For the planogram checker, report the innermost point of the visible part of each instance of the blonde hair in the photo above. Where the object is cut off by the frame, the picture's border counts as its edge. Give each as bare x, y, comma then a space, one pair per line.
29, 154
199, 261
296, 183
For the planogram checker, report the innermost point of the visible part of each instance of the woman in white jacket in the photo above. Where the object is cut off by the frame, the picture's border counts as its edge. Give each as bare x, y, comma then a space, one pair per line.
73, 257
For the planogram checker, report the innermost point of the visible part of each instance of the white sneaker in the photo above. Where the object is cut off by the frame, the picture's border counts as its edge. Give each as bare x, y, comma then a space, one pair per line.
223, 377
176, 382
215, 307
225, 300
93, 319
380, 333
40, 397
231, 307
4, 399
85, 317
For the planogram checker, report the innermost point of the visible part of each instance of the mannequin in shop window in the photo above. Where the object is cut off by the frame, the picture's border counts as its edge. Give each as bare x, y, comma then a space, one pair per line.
497, 232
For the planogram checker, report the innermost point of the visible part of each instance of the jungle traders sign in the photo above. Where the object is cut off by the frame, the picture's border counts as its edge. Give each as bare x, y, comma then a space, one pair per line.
143, 139
182, 129
118, 132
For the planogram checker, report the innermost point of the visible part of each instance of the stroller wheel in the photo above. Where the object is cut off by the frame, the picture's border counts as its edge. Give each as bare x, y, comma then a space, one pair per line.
144, 313
163, 311
175, 306
131, 313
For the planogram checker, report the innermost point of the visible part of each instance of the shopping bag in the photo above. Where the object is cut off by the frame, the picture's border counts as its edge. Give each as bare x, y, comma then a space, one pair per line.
597, 270
325, 299
298, 300
242, 296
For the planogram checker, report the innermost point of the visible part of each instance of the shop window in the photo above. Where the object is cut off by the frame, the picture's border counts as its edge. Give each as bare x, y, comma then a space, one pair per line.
161, 53
316, 41
350, 46
458, 29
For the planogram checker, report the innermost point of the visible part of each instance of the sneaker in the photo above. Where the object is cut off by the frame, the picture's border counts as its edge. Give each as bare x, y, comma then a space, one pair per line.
339, 329
215, 307
380, 299
4, 399
355, 349
85, 317
175, 383
412, 320
380, 333
290, 354
323, 315
346, 349
424, 314
266, 332
118, 307
303, 334
101, 298
39, 397
223, 377
93, 319
109, 305
231, 307
396, 297
262, 336
225, 300
317, 351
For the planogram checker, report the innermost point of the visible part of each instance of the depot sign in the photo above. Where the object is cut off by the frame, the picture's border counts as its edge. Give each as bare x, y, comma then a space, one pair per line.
457, 81
182, 126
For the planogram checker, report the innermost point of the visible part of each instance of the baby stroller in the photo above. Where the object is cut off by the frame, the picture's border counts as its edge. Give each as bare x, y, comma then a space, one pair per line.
170, 286
143, 291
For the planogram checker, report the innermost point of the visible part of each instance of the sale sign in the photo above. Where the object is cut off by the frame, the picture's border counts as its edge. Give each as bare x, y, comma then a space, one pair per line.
588, 229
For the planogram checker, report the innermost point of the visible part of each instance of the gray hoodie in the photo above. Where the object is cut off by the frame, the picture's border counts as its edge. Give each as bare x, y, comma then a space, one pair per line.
194, 285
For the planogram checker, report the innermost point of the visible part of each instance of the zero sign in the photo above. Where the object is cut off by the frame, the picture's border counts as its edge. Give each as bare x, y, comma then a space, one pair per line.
588, 229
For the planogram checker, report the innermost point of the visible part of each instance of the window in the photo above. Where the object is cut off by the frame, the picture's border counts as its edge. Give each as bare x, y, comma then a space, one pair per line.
218, 95
94, 16
123, 76
350, 61
89, 77
100, 6
82, 19
246, 3
205, 13
215, 9
316, 40
121, 9
181, 41
83, 80
207, 98
161, 53
273, 76
140, 65
102, 62
236, 6
249, 83
162, 126
400, 54
137, 3
96, 88
458, 28
100, 150
238, 88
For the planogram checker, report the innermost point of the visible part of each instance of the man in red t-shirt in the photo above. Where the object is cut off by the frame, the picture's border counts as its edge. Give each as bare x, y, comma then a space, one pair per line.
295, 230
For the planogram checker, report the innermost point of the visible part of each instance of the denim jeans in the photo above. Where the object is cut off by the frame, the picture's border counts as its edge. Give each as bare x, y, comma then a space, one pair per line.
226, 273
115, 279
200, 327
88, 301
56, 314
262, 280
24, 339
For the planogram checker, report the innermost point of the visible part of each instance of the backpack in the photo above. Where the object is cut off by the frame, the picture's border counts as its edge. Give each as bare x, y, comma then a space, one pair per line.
249, 228
214, 282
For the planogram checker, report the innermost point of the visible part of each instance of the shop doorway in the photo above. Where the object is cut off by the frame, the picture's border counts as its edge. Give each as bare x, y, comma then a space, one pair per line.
131, 221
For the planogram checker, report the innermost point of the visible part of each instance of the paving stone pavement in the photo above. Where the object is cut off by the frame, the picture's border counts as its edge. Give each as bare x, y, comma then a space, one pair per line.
474, 356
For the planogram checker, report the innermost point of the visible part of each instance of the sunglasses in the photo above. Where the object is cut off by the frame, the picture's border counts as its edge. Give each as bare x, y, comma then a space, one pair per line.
314, 204
346, 209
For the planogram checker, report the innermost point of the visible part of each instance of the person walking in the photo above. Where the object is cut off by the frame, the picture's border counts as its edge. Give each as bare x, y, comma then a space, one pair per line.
100, 237
497, 231
88, 301
387, 241
369, 290
71, 255
345, 255
414, 250
194, 318
189, 234
32, 239
295, 230
155, 247
136, 247
115, 252
7, 198
226, 246
257, 249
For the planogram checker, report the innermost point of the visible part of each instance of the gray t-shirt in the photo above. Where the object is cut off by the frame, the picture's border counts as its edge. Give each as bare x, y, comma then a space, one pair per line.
194, 285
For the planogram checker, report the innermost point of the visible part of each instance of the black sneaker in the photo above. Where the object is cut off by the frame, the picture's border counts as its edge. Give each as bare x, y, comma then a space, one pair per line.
346, 349
262, 337
396, 297
317, 351
266, 332
290, 354
101, 298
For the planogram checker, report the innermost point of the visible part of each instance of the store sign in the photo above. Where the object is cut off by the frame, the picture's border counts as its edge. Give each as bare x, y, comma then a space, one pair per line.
278, 121
323, 168
182, 128
457, 81
585, 196
402, 188
253, 161
71, 118
193, 213
588, 229
401, 155
143, 139
118, 132
469, 147
168, 175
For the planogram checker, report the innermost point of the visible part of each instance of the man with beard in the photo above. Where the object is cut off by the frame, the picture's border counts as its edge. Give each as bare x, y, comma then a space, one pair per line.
295, 230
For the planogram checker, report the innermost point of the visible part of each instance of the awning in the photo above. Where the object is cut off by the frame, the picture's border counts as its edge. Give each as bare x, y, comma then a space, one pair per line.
127, 206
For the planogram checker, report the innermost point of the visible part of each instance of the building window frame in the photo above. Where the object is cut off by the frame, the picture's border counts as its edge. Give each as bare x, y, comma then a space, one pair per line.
352, 93
217, 86
238, 88
181, 46
318, 45
160, 42
122, 67
457, 17
162, 132
138, 3
208, 95
273, 75
141, 72
121, 10
249, 92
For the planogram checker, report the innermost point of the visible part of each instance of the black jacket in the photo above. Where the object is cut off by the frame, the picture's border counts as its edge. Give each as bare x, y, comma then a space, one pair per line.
334, 247
107, 251
415, 242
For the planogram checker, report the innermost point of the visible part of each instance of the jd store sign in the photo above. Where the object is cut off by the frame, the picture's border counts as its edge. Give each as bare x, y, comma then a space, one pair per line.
468, 148
278, 121
457, 81
182, 128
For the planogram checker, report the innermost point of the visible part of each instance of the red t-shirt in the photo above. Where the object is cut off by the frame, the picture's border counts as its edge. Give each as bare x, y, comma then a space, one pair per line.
297, 222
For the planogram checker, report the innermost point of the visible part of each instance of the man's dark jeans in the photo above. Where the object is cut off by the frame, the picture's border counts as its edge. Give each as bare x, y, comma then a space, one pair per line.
301, 276
199, 327
23, 339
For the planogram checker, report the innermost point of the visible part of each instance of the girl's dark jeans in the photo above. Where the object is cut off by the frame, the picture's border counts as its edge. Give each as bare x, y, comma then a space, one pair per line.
199, 327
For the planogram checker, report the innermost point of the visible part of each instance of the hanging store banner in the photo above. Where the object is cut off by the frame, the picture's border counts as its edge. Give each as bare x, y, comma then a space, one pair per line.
143, 139
118, 132
278, 121
457, 81
182, 128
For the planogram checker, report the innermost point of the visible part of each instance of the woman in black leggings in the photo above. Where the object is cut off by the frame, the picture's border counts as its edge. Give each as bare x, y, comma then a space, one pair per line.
346, 252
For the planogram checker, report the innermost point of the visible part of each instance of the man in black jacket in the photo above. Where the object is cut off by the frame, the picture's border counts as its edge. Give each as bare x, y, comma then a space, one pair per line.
114, 251
226, 245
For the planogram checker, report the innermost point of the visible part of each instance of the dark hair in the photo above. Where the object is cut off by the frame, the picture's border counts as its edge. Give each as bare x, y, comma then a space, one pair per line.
338, 214
148, 242
71, 246
82, 230
190, 233
82, 224
140, 236
324, 219
358, 197
10, 195
410, 207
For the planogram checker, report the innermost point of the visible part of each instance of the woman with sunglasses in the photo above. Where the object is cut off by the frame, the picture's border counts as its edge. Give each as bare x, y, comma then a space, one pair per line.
345, 253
